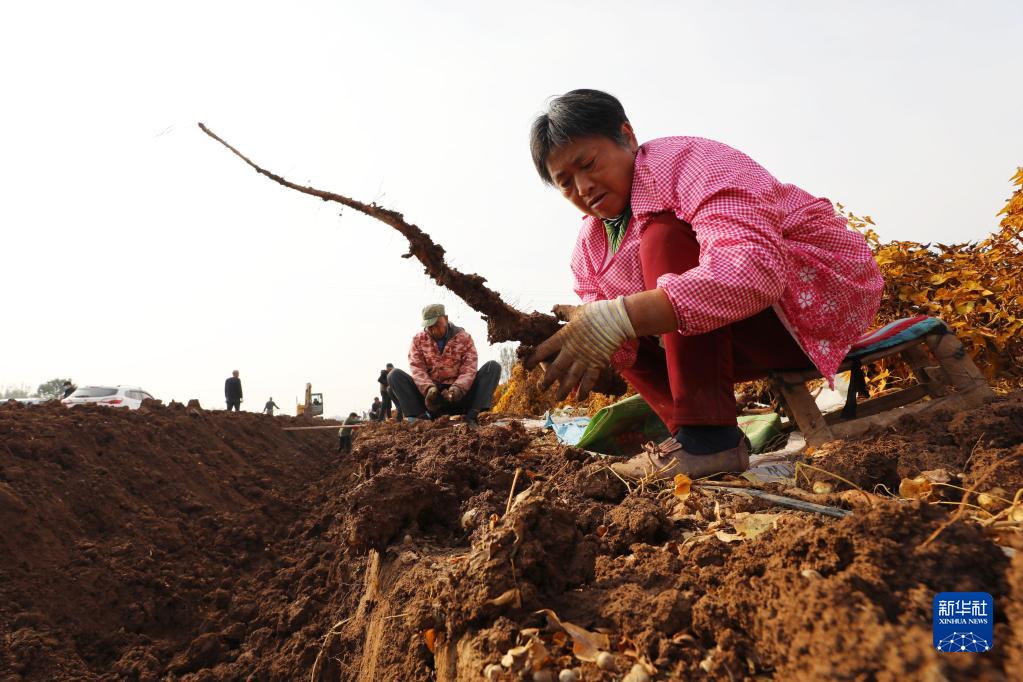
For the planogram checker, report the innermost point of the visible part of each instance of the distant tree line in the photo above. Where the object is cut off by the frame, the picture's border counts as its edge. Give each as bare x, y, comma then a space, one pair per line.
54, 388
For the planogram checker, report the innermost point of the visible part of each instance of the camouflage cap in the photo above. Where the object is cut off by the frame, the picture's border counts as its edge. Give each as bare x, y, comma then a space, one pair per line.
432, 313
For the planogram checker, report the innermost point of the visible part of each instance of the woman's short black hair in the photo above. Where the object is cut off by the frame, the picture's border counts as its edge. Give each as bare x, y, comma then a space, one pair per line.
574, 115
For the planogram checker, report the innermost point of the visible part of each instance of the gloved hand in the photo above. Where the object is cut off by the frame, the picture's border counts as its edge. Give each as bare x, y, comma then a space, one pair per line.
433, 399
566, 312
453, 394
584, 346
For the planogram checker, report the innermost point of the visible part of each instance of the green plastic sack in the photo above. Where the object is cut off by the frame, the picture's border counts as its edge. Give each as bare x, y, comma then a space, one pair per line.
764, 432
623, 428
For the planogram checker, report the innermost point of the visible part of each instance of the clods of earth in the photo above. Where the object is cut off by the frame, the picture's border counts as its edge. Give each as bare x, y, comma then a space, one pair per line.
175, 543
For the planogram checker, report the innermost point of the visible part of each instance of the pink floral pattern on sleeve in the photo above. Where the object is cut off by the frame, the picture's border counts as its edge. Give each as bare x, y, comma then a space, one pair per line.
762, 243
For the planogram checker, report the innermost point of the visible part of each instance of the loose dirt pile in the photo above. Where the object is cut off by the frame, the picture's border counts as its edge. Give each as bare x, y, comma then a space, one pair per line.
118, 530
209, 546
980, 448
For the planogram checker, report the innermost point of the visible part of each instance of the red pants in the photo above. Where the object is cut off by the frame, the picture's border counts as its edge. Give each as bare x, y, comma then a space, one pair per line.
691, 380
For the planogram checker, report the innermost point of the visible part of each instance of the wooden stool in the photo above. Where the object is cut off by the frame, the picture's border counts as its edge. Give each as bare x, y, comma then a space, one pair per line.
943, 370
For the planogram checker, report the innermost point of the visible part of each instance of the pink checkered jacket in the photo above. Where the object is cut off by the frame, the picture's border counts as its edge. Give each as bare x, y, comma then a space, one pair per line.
456, 366
762, 243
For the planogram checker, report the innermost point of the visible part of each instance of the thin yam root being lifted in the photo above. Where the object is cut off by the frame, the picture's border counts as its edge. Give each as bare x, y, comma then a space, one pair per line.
504, 322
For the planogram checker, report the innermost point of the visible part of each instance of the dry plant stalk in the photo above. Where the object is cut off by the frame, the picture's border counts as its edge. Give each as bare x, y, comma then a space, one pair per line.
511, 493
963, 503
800, 466
328, 639
504, 322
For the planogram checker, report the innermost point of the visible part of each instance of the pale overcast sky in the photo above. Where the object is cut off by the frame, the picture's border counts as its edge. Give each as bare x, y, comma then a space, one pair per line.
138, 251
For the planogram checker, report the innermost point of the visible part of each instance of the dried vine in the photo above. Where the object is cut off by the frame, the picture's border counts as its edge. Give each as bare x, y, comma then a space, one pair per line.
504, 322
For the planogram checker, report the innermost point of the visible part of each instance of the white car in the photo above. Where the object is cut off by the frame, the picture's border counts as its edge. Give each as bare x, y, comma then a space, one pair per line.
112, 396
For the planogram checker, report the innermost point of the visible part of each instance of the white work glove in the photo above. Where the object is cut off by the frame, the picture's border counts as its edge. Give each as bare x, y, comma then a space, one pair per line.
566, 312
584, 346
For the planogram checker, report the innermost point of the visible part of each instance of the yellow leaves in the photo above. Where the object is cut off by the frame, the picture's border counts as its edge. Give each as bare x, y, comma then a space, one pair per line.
511, 596
913, 295
1012, 206
585, 644
727, 537
977, 288
964, 308
986, 307
879, 380
752, 525
1017, 179
683, 486
922, 487
531, 656
886, 257
971, 285
919, 488
941, 278
748, 526
537, 652
521, 394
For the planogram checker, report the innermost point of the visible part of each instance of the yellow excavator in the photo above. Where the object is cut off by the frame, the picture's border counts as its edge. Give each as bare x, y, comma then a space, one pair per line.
313, 405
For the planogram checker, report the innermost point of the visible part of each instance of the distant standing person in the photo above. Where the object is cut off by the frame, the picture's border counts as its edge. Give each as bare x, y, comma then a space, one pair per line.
375, 409
69, 388
385, 397
233, 392
270, 407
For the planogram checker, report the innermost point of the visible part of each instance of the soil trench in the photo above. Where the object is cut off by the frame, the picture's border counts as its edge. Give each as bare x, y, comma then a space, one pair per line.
178, 543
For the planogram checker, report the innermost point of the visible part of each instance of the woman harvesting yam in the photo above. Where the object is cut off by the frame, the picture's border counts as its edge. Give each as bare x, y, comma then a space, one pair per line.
697, 269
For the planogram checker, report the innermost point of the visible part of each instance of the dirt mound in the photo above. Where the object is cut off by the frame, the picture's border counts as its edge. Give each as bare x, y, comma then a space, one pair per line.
208, 546
981, 442
868, 582
117, 528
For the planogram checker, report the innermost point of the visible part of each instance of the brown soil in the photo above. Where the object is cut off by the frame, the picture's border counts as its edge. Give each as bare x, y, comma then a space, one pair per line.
175, 543
119, 530
984, 442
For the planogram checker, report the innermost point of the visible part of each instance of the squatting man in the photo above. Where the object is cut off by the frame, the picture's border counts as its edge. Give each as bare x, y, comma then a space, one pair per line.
445, 379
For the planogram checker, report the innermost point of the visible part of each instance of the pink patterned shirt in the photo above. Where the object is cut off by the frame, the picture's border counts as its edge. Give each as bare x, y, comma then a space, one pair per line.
762, 243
